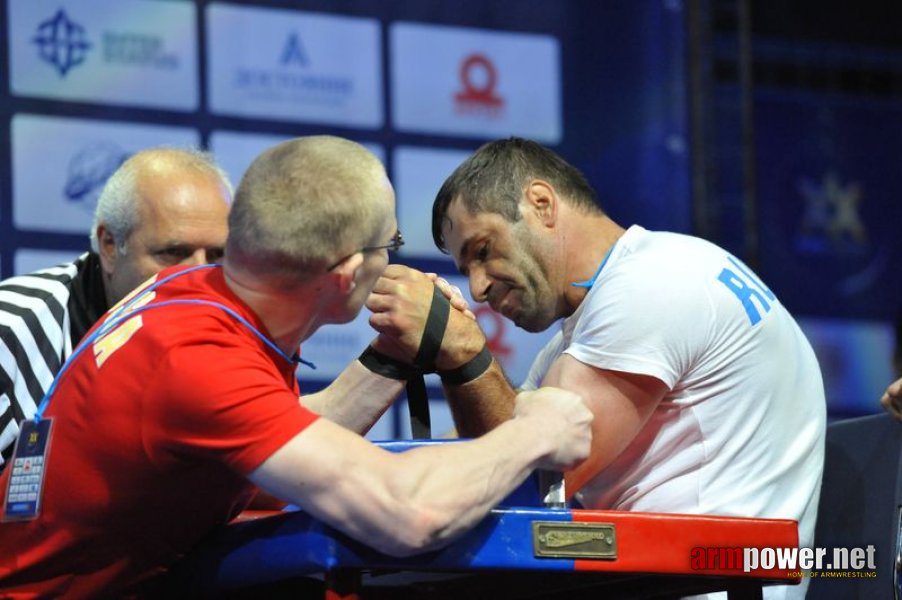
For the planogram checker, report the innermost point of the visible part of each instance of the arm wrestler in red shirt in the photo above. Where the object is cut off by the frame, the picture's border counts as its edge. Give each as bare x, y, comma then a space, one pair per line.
166, 420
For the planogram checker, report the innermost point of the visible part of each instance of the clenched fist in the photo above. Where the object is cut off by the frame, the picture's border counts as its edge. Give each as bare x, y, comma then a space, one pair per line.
400, 303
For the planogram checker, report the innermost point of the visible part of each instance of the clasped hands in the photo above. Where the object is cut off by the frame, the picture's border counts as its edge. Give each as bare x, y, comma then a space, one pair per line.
400, 304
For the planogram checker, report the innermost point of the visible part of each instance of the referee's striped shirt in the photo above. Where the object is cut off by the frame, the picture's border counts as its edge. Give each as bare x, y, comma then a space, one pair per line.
43, 315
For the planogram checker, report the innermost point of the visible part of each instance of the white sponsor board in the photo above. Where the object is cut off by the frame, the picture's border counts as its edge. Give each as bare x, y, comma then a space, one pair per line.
123, 52
294, 65
475, 83
418, 175
60, 166
29, 260
333, 347
235, 151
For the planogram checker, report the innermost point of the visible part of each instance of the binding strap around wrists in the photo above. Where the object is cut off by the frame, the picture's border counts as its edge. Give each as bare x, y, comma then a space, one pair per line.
424, 362
470, 370
417, 397
433, 332
430, 344
382, 364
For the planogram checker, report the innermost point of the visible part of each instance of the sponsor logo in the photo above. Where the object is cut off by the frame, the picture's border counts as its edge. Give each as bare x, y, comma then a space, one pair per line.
64, 44
294, 79
135, 49
88, 171
796, 562
478, 77
61, 42
294, 53
831, 217
493, 325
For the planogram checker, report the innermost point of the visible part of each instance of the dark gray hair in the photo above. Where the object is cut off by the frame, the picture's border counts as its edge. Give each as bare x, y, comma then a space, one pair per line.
494, 178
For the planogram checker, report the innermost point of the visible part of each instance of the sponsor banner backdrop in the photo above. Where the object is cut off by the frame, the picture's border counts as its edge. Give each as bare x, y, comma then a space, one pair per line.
76, 157
293, 65
29, 260
418, 175
333, 347
830, 209
235, 151
475, 83
123, 52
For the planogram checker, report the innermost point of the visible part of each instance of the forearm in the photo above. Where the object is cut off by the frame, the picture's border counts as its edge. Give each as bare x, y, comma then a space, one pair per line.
406, 503
482, 404
355, 399
419, 500
484, 472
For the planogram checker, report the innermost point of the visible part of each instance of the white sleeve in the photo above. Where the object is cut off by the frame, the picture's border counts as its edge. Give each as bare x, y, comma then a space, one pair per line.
543, 361
643, 325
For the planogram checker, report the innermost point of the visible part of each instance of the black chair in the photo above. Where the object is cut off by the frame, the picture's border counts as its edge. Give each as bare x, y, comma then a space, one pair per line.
861, 505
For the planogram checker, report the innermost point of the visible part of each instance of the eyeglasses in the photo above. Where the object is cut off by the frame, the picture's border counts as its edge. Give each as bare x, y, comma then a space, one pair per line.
392, 246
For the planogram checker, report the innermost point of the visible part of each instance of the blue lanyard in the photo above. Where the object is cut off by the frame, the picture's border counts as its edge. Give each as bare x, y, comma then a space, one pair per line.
590, 282
123, 313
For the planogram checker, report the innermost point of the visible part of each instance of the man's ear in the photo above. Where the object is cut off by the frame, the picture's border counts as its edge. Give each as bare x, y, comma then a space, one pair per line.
106, 248
345, 272
542, 201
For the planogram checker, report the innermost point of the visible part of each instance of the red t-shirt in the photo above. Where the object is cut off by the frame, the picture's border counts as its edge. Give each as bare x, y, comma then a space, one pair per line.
150, 449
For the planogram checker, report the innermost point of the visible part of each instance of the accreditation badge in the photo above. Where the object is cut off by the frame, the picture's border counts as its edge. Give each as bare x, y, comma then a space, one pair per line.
27, 468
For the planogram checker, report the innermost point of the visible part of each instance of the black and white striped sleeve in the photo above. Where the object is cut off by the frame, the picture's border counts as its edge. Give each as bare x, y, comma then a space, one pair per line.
34, 342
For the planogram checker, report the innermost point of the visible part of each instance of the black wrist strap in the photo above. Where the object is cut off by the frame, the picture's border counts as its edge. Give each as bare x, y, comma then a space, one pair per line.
417, 397
469, 371
387, 366
418, 408
430, 344
433, 332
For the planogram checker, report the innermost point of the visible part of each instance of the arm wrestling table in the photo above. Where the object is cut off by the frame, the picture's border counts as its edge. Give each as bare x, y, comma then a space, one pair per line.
520, 550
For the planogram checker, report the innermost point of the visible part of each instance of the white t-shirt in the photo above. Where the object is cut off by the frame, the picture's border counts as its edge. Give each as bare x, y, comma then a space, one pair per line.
741, 431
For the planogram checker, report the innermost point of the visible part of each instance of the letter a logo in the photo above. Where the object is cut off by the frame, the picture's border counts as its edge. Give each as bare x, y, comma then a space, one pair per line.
293, 53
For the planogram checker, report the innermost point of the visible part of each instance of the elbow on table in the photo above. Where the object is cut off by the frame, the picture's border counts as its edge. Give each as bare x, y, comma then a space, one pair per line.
420, 529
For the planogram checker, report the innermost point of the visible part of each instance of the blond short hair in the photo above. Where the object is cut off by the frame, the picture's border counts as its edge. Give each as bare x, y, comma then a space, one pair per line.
303, 205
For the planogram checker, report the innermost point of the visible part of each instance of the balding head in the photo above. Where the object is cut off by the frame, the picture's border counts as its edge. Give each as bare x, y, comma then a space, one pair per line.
117, 206
162, 207
305, 204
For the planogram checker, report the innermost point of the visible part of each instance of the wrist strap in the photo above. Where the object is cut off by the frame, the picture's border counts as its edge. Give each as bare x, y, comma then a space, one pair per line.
418, 408
470, 370
433, 332
417, 397
384, 365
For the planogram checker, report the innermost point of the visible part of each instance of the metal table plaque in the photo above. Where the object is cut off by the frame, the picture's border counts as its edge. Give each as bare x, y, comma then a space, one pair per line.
555, 539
